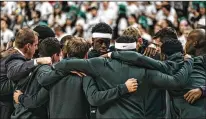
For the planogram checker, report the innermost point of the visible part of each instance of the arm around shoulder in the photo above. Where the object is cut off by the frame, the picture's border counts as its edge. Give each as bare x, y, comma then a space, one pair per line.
98, 98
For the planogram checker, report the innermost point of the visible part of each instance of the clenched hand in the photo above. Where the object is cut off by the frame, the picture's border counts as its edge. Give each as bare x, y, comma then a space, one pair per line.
131, 85
16, 95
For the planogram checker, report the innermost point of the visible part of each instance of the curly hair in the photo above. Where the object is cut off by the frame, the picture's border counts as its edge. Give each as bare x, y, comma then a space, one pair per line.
102, 28
171, 46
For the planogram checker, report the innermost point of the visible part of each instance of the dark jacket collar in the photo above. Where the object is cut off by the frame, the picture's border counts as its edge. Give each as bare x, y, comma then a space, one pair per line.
176, 57
93, 53
68, 58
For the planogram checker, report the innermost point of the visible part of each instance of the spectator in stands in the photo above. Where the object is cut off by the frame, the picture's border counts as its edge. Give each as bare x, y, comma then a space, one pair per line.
59, 32
132, 20
36, 17
45, 8
6, 34
121, 21
58, 17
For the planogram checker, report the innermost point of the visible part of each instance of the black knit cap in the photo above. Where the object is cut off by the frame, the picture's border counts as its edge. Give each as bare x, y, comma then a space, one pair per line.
171, 46
44, 31
166, 32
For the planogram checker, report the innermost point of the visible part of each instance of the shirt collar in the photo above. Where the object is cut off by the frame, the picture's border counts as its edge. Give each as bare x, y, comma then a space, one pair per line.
19, 51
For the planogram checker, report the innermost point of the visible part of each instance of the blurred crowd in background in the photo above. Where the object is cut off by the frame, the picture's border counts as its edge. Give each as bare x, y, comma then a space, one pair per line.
78, 18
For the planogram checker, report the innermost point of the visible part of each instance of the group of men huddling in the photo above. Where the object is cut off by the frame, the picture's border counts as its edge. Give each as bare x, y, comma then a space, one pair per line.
44, 78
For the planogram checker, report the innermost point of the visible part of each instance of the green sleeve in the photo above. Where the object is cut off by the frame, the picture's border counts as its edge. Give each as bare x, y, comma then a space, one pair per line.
46, 75
98, 98
51, 77
6, 87
40, 97
177, 81
140, 60
90, 66
64, 67
36, 100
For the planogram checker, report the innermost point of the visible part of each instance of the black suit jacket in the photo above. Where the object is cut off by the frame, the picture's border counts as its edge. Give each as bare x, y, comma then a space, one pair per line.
13, 68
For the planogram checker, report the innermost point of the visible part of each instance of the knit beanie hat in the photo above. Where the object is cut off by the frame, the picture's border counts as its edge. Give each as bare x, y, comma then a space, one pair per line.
171, 46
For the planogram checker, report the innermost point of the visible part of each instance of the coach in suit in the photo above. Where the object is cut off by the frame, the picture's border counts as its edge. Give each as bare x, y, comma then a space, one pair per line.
16, 66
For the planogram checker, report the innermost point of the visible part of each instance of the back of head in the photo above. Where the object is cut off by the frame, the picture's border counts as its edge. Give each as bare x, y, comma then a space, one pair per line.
102, 30
65, 39
44, 32
135, 33
198, 35
76, 47
166, 32
24, 36
196, 41
125, 43
202, 39
49, 46
132, 32
171, 46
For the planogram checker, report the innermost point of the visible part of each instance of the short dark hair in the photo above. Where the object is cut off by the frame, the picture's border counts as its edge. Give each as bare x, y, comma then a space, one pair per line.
58, 28
24, 36
102, 28
6, 20
170, 24
77, 47
167, 7
49, 47
171, 46
38, 13
166, 32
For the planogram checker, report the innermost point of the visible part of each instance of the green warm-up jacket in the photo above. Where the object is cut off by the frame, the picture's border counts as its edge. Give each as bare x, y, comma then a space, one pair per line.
108, 74
34, 101
68, 98
197, 78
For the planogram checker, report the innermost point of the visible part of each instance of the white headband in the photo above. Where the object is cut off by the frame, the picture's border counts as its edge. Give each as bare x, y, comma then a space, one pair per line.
125, 46
102, 35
